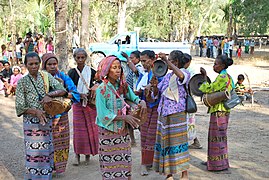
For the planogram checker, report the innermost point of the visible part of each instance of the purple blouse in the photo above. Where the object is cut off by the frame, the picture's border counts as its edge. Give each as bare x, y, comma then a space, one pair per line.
168, 106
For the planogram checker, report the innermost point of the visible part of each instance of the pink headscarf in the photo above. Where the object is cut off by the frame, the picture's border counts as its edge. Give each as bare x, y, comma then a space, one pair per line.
103, 70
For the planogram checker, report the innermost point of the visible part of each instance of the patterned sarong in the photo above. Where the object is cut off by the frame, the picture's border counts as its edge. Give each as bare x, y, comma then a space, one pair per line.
85, 130
217, 142
38, 148
148, 136
61, 142
114, 154
171, 155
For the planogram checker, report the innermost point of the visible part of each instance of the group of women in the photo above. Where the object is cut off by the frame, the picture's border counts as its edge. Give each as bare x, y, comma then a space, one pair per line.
103, 128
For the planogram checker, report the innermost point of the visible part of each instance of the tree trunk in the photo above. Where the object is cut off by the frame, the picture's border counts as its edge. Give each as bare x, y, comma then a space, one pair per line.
60, 7
203, 20
121, 15
230, 24
84, 37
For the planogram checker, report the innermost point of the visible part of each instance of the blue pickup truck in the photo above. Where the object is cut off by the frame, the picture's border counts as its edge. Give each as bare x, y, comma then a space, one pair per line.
129, 42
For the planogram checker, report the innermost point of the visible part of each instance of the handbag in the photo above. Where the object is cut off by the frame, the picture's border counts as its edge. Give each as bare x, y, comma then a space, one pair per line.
191, 106
58, 105
233, 101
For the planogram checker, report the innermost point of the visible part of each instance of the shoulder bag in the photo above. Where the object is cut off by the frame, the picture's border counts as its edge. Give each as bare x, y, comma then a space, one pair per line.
191, 106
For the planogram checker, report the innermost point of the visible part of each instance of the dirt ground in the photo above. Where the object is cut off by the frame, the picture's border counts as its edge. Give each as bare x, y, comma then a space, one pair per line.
248, 134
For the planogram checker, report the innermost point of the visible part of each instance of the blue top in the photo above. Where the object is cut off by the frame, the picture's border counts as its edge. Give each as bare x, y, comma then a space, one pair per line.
142, 96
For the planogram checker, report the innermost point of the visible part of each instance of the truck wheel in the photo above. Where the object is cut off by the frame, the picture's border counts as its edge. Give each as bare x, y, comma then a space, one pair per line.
96, 58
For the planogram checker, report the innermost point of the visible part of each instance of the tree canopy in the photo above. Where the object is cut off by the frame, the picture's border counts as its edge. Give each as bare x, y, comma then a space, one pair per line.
170, 20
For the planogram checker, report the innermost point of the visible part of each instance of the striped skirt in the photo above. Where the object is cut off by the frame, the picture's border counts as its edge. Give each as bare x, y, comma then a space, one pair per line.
217, 158
85, 130
171, 154
148, 136
114, 154
61, 142
38, 149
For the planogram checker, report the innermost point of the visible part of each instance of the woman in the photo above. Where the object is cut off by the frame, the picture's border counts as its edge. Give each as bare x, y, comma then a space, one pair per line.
31, 93
15, 77
171, 155
60, 124
85, 130
148, 129
136, 68
217, 158
114, 140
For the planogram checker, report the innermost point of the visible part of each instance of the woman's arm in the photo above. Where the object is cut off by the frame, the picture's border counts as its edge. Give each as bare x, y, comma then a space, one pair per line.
71, 88
129, 62
218, 85
175, 69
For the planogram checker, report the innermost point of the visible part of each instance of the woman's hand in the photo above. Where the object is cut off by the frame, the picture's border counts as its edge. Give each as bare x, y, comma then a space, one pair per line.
83, 96
93, 91
46, 99
143, 108
203, 71
162, 56
41, 116
132, 121
124, 55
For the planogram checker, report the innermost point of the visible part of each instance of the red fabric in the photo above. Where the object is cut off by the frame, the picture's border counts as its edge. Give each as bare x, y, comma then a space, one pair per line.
148, 136
85, 130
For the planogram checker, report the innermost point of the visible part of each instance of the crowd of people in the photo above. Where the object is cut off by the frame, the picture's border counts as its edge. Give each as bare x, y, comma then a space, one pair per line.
13, 49
212, 46
102, 124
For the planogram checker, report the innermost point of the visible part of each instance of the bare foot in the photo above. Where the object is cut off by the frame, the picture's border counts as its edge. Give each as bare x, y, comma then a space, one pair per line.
144, 171
184, 175
87, 159
169, 177
77, 163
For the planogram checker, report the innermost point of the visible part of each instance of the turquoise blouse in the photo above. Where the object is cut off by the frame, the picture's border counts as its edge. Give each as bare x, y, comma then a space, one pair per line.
108, 106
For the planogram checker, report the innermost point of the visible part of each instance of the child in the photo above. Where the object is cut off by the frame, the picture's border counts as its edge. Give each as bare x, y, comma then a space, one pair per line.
241, 90
239, 52
15, 77
4, 52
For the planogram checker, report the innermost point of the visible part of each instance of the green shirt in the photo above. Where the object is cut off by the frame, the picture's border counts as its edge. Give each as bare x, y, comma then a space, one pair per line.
240, 87
108, 106
218, 85
26, 94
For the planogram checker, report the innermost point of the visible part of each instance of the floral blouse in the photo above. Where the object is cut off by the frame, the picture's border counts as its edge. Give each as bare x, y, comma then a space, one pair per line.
218, 85
26, 94
108, 106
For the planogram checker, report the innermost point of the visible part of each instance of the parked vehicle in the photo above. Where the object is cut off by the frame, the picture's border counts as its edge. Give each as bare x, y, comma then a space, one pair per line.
129, 42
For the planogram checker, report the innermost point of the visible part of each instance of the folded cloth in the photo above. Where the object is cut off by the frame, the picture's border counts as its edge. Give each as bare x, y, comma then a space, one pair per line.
143, 82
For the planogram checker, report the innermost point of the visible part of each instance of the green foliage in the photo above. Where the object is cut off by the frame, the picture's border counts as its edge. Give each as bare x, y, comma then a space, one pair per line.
161, 19
251, 16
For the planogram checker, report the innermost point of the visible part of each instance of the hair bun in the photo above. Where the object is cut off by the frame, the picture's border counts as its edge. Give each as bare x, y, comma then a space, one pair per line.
229, 61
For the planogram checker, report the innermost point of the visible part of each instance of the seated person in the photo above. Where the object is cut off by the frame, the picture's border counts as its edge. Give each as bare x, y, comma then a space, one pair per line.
243, 93
127, 40
15, 77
